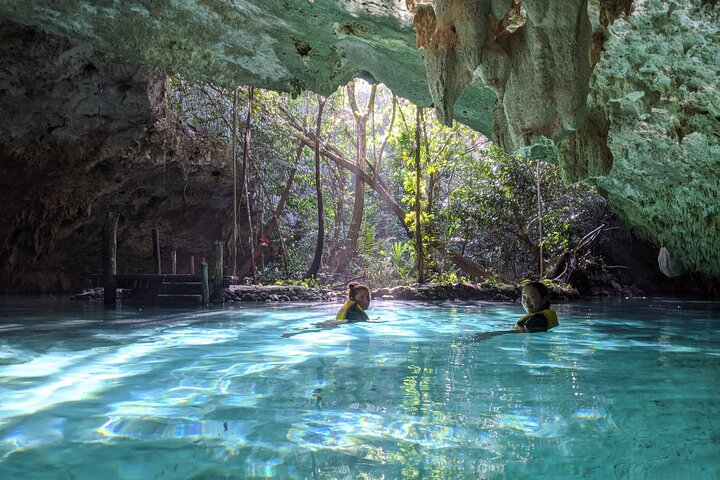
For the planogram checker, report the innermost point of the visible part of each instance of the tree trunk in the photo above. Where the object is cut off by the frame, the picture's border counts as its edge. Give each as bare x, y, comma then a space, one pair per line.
377, 166
418, 177
540, 226
319, 245
347, 251
337, 175
246, 160
234, 173
276, 214
470, 267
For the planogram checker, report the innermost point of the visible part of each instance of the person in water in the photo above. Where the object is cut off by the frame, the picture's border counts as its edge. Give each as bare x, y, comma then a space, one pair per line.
539, 316
536, 302
353, 310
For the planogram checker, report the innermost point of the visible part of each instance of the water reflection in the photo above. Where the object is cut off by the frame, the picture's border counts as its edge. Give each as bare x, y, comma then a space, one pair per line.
398, 399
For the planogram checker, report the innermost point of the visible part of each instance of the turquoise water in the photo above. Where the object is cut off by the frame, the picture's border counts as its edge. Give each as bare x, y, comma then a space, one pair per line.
621, 390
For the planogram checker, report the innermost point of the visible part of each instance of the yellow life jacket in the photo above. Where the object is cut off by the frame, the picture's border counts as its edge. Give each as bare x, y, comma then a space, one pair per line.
342, 314
549, 313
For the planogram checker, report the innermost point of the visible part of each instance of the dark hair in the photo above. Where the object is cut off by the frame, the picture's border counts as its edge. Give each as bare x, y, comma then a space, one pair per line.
354, 287
541, 288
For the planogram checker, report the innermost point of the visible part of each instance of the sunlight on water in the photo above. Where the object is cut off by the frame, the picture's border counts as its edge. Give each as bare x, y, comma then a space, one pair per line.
622, 389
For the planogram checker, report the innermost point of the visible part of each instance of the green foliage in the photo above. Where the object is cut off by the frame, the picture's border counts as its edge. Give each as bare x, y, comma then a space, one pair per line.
399, 251
474, 197
494, 211
311, 282
367, 244
447, 278
390, 265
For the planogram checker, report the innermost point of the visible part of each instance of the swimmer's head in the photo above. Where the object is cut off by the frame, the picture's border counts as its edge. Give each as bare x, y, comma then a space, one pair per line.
359, 293
535, 297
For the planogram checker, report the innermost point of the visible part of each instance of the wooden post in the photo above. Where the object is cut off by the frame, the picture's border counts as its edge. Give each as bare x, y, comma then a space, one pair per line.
173, 262
109, 255
205, 285
192, 264
156, 250
218, 272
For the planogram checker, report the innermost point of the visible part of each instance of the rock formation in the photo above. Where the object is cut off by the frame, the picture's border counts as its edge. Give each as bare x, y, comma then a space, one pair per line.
83, 135
652, 138
621, 92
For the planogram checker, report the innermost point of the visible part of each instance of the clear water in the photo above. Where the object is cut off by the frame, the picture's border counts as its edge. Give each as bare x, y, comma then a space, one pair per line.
622, 389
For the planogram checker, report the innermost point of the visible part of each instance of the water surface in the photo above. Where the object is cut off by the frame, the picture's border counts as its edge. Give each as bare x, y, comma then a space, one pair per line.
622, 389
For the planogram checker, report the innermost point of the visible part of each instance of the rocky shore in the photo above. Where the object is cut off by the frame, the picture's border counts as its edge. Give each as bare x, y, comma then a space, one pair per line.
425, 292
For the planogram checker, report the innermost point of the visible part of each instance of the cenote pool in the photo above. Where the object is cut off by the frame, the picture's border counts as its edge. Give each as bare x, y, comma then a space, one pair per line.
622, 389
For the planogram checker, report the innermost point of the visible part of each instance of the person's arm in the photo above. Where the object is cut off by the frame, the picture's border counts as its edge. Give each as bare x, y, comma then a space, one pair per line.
331, 323
536, 323
487, 335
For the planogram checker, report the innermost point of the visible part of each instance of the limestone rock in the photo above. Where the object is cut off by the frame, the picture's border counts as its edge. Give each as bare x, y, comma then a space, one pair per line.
626, 90
652, 145
81, 135
668, 265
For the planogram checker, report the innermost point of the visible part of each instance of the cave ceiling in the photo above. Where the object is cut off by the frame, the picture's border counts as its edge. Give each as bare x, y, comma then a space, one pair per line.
622, 93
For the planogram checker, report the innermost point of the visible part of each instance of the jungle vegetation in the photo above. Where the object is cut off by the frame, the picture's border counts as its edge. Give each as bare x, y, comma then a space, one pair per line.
365, 185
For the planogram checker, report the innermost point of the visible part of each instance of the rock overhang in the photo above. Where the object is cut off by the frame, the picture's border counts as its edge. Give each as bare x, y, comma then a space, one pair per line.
280, 45
523, 72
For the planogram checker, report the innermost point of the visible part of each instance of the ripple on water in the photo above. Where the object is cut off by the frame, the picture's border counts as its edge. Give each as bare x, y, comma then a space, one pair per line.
601, 396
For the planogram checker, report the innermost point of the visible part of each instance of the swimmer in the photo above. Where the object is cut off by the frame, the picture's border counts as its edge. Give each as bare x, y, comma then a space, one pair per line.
354, 308
352, 311
539, 316
536, 302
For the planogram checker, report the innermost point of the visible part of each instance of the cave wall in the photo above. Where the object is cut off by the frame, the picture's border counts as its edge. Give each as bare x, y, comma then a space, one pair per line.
532, 54
652, 141
82, 135
622, 92
283, 45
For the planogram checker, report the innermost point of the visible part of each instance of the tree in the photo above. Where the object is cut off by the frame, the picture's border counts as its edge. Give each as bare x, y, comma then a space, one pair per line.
418, 223
244, 175
233, 136
315, 266
495, 211
469, 208
346, 252
275, 219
